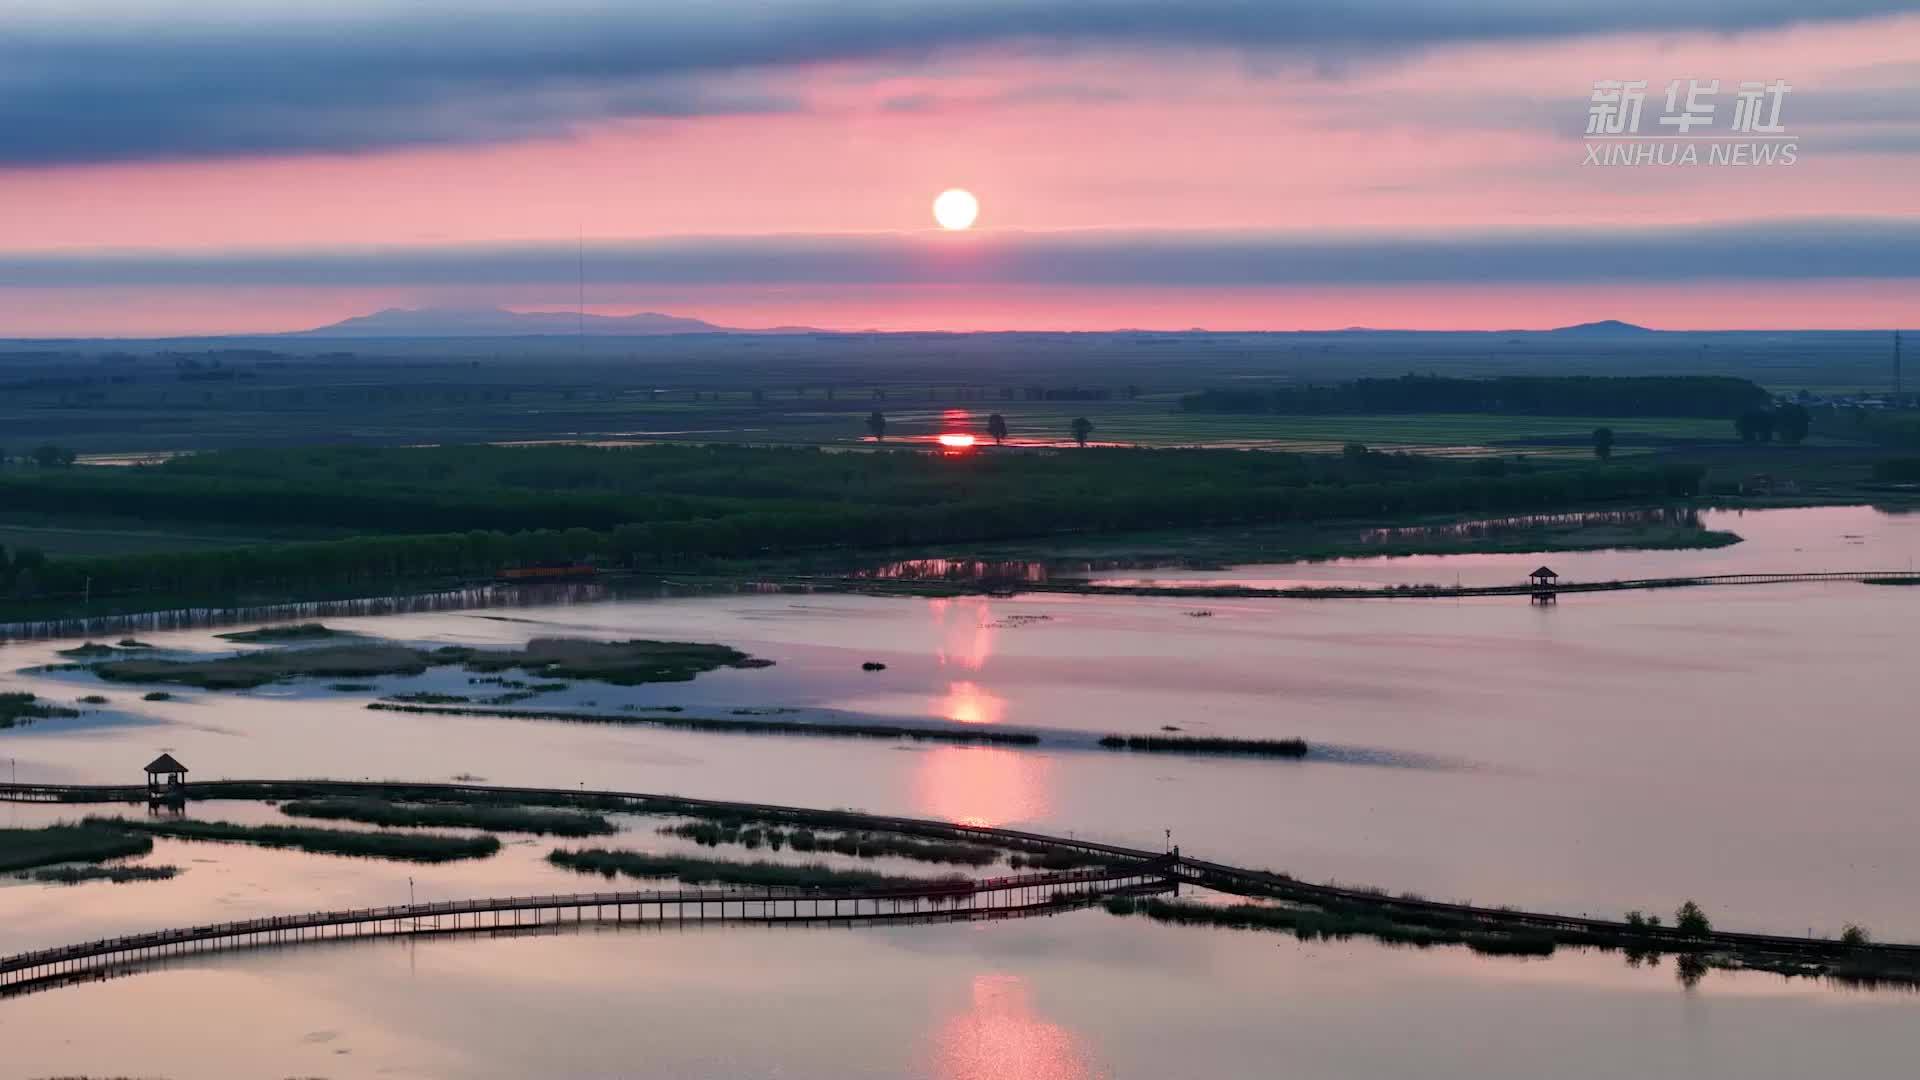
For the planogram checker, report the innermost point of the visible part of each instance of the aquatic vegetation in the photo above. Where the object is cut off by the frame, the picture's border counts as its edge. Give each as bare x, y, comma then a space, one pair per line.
350, 687
22, 849
1309, 924
625, 663
156, 695
19, 707
88, 651
93, 699
381, 812
411, 847
692, 871
859, 845
1204, 744
1052, 858
429, 697
250, 670
734, 726
119, 875
312, 631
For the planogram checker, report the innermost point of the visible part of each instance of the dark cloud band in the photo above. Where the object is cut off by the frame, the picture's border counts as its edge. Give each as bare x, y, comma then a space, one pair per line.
1795, 250
180, 80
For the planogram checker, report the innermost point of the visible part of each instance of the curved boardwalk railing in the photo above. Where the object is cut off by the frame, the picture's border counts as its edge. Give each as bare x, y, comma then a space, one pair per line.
968, 898
1417, 591
489, 594
1133, 867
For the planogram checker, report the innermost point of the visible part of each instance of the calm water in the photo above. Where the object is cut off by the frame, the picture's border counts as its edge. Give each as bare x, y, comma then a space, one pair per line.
1072, 997
1747, 747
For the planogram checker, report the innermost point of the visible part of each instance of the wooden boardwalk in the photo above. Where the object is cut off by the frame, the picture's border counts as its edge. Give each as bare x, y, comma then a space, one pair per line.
959, 899
1131, 869
1315, 592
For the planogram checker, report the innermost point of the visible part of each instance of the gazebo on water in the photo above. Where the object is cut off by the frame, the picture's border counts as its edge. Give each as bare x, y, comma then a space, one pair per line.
165, 773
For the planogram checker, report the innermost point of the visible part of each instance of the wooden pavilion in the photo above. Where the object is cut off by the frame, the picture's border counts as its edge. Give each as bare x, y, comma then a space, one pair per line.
165, 773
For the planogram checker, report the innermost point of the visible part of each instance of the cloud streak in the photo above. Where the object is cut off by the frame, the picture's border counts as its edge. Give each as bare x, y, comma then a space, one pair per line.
1803, 250
170, 80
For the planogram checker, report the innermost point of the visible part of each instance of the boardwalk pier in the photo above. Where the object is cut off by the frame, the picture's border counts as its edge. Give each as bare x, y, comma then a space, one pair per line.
997, 897
1122, 870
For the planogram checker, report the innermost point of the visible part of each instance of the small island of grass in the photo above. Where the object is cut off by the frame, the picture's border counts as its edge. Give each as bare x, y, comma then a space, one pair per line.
1203, 744
624, 663
409, 847
23, 849
430, 697
1309, 924
19, 707
692, 871
119, 875
859, 845
311, 631
452, 815
250, 670
731, 725
88, 651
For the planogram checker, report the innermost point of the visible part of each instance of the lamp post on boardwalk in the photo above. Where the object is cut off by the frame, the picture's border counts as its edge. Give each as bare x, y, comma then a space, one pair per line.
409, 890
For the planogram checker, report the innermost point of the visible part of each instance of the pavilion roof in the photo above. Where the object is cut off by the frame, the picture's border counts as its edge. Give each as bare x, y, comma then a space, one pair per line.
165, 763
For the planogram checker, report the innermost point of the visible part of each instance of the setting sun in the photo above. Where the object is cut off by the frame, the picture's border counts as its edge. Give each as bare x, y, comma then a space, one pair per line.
955, 209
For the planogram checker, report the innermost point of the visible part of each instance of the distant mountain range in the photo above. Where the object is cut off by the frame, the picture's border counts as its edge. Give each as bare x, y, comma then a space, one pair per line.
1603, 328
499, 322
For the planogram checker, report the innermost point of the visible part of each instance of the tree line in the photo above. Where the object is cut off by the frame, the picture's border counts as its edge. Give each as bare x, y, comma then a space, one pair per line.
1705, 396
1788, 422
1402, 488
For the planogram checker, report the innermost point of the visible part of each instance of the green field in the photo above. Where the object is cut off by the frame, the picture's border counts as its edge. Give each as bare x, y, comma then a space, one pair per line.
1153, 422
108, 534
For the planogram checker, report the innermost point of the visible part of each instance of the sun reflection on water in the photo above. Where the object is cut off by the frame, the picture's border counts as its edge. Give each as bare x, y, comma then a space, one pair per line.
999, 1037
968, 703
983, 785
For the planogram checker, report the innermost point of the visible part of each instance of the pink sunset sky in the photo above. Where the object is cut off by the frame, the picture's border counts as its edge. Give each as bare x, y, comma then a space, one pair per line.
313, 170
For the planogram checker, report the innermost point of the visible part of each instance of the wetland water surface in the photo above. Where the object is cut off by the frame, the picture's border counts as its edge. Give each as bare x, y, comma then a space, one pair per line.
1750, 748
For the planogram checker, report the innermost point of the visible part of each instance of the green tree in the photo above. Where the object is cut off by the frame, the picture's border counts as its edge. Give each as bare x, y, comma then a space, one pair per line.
1854, 936
1691, 921
1792, 422
877, 424
1754, 425
1603, 443
1082, 427
997, 427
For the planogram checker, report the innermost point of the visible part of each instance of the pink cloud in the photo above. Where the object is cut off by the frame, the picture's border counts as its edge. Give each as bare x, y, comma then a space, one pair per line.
1459, 137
